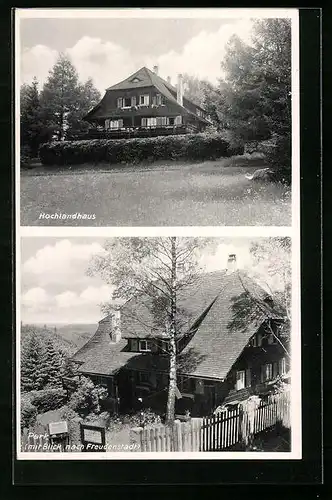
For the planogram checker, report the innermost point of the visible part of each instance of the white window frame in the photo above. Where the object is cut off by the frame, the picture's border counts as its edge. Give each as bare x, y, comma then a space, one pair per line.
282, 366
123, 102
267, 372
240, 380
178, 120
145, 101
147, 348
151, 121
115, 124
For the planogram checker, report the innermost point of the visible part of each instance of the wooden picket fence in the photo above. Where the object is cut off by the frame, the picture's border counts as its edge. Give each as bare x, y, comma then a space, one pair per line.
229, 427
216, 433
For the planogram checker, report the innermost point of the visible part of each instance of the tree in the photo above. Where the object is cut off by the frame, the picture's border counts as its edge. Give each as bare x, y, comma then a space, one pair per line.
60, 96
32, 130
52, 364
272, 269
204, 94
256, 92
32, 373
65, 100
155, 270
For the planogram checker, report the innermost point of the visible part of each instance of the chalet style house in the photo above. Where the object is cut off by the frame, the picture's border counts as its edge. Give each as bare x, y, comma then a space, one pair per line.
223, 358
144, 104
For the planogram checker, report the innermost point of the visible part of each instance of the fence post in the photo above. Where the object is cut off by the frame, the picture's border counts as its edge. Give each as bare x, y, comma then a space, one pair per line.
136, 438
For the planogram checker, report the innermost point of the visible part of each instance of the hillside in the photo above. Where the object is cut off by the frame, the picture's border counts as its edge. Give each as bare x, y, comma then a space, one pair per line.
67, 337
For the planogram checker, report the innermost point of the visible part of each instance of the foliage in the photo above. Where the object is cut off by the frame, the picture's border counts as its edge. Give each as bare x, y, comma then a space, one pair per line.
152, 272
48, 399
255, 97
32, 130
187, 147
64, 100
43, 359
32, 373
73, 420
86, 398
28, 412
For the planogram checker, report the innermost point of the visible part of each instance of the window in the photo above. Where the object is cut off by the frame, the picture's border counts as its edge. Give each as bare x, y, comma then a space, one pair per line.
144, 100
143, 377
126, 102
253, 341
240, 379
282, 366
266, 372
199, 112
134, 345
259, 339
144, 345
164, 346
115, 124
162, 121
157, 100
149, 122
171, 121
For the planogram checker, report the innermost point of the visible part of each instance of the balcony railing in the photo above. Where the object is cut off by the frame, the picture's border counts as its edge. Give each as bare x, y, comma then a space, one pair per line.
129, 132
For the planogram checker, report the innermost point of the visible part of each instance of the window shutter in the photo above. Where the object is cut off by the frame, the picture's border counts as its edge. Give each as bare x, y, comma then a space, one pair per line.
120, 103
154, 100
159, 121
120, 123
107, 124
133, 100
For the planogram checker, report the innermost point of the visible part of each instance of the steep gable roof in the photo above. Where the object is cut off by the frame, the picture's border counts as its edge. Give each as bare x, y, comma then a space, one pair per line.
213, 346
146, 78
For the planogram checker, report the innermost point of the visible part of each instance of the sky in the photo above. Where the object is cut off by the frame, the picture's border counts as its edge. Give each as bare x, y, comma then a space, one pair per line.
56, 289
109, 50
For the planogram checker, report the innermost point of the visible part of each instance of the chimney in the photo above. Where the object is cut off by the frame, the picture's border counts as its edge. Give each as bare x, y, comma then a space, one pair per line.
155, 69
179, 96
169, 80
115, 322
231, 263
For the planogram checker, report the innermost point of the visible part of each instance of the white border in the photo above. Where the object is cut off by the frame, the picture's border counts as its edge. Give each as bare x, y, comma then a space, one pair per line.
240, 231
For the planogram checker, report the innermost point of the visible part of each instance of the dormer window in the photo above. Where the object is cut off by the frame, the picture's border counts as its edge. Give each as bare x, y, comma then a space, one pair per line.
144, 345
135, 80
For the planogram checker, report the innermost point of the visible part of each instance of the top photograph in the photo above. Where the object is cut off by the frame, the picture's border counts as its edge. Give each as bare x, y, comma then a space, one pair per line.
149, 117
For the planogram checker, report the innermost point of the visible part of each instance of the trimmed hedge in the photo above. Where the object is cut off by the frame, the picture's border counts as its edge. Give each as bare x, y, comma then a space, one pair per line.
185, 147
48, 399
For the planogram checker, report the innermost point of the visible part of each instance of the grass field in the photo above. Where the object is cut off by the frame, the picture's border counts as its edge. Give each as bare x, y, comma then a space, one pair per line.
200, 194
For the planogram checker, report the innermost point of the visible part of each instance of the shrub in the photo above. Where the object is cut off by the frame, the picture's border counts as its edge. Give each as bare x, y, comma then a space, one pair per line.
28, 412
73, 420
130, 151
48, 399
278, 154
86, 399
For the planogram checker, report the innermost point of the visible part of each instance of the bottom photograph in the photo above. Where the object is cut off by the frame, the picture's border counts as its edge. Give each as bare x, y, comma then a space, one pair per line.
148, 344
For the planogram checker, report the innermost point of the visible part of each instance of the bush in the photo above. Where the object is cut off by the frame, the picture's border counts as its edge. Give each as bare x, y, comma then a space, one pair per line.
130, 151
86, 399
28, 413
48, 399
278, 153
73, 420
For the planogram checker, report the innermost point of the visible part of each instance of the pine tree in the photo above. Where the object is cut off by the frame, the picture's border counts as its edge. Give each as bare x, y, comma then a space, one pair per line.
59, 97
32, 128
52, 364
65, 100
32, 373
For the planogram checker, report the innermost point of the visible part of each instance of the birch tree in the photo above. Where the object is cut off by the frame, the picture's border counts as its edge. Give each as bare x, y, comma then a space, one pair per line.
156, 271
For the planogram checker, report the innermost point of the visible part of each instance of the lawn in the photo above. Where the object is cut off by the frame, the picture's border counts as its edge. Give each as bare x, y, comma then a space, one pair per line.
200, 194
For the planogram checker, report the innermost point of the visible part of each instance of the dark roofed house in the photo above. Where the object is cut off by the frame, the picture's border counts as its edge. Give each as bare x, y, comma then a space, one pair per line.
145, 104
221, 358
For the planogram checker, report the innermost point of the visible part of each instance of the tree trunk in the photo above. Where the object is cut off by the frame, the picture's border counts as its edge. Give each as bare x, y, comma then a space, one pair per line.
170, 411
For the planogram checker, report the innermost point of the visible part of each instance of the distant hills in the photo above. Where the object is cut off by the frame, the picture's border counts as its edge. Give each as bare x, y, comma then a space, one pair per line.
68, 337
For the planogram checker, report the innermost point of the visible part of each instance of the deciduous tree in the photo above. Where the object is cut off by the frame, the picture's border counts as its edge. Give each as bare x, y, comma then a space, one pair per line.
156, 270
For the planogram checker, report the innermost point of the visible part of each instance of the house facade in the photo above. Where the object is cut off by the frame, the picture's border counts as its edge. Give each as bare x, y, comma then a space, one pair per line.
145, 104
220, 360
